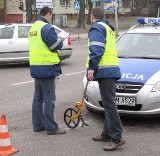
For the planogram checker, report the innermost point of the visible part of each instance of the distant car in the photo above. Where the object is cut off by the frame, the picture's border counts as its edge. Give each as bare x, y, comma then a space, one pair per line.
14, 43
138, 90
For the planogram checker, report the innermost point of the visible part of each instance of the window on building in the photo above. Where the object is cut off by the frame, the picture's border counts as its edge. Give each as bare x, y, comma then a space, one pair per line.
64, 2
2, 4
126, 3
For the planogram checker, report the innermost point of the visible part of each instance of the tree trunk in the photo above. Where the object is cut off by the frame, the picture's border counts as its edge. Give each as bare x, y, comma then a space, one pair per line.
81, 16
29, 10
89, 11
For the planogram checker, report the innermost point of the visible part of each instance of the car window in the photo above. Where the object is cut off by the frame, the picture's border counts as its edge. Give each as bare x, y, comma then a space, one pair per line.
7, 32
23, 31
139, 45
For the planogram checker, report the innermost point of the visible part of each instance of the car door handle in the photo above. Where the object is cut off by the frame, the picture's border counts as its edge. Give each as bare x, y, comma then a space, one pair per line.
10, 42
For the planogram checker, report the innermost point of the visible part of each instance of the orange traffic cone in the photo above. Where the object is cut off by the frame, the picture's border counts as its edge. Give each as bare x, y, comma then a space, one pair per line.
5, 143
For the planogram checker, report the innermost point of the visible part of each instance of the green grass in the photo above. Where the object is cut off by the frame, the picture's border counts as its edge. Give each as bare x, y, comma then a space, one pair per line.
124, 23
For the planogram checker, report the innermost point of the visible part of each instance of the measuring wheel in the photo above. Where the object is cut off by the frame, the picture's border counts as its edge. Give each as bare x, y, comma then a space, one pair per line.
71, 118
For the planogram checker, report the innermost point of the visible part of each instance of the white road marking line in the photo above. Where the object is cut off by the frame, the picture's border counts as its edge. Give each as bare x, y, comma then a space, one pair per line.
15, 84
75, 73
21, 83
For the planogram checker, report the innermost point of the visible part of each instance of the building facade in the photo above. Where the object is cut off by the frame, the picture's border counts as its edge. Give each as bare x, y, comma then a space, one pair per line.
10, 12
2, 10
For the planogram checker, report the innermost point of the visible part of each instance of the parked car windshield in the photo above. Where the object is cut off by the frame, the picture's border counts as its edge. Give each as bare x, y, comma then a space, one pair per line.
139, 45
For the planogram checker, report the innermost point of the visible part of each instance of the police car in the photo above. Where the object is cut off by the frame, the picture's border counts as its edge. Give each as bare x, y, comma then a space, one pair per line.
138, 90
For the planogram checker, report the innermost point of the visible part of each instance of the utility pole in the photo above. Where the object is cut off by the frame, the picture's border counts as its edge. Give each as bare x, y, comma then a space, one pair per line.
116, 17
24, 11
102, 4
158, 5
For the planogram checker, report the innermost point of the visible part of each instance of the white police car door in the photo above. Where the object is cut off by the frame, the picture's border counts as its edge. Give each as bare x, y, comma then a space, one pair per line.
7, 39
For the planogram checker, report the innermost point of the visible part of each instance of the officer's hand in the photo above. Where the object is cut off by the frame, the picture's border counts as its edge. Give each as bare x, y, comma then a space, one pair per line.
90, 74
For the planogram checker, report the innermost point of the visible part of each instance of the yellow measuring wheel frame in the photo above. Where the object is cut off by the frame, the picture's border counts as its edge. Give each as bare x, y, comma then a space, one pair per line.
72, 116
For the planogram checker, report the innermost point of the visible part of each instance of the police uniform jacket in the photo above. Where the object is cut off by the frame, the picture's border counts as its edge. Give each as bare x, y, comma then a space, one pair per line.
97, 34
50, 39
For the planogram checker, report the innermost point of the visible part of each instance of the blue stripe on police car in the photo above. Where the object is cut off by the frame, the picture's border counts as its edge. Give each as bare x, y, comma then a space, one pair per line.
138, 70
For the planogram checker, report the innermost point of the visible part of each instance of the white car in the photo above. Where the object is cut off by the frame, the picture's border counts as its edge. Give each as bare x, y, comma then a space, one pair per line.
138, 90
14, 43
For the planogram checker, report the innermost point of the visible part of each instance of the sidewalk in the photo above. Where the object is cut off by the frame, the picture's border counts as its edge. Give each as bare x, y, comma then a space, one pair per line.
77, 37
84, 36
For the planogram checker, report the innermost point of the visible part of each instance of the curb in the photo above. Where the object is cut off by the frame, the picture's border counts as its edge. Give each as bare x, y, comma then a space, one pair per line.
84, 36
77, 37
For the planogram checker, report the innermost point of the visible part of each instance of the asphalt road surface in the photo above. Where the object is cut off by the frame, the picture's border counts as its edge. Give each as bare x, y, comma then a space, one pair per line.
142, 135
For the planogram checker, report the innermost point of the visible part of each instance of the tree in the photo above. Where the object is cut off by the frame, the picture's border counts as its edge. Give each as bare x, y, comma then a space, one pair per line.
141, 7
29, 11
90, 4
81, 16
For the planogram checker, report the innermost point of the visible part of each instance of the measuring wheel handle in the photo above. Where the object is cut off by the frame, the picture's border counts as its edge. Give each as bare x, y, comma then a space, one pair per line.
78, 106
71, 118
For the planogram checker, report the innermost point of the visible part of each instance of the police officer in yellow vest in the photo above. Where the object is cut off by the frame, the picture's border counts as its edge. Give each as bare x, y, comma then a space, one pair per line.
102, 66
44, 67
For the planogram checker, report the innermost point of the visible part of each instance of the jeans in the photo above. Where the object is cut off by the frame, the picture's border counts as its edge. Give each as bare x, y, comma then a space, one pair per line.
112, 129
43, 105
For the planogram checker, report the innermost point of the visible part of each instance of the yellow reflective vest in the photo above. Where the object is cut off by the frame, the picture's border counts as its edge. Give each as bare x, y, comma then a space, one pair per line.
109, 58
39, 53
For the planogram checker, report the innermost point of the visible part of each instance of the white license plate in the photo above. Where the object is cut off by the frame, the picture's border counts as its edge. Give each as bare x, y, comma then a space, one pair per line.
126, 101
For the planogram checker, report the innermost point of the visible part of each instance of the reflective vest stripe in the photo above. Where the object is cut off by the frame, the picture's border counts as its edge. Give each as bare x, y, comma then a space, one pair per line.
100, 67
55, 44
97, 43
